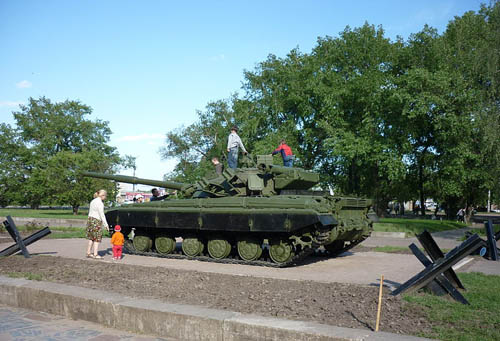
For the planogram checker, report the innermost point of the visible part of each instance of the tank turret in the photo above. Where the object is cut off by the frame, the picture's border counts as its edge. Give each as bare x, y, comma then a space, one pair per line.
260, 178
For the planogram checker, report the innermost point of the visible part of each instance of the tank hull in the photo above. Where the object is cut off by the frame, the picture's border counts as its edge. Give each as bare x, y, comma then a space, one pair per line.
293, 224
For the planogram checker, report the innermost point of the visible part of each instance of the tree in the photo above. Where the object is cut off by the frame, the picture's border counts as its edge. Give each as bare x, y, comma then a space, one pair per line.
391, 120
68, 186
471, 160
53, 141
12, 155
333, 105
129, 162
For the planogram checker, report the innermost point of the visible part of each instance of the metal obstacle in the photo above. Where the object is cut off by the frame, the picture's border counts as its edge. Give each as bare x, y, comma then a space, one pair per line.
490, 250
438, 274
492, 239
20, 244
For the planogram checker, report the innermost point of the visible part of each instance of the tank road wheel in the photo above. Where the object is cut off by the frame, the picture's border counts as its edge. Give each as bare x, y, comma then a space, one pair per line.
165, 244
142, 242
249, 249
280, 251
218, 248
192, 246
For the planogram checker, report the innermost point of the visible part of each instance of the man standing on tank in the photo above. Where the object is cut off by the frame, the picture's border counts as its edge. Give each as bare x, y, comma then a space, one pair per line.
286, 153
233, 144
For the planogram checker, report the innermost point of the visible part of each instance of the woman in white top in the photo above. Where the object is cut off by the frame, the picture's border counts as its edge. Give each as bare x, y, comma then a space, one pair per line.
95, 222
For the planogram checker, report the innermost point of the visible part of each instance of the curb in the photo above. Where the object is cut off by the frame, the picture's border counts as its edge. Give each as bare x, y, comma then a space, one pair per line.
177, 321
51, 222
388, 234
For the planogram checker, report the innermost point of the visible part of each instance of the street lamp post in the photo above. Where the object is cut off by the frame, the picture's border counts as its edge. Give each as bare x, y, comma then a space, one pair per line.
489, 201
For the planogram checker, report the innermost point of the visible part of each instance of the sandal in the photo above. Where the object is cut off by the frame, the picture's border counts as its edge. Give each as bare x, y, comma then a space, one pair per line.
89, 255
97, 257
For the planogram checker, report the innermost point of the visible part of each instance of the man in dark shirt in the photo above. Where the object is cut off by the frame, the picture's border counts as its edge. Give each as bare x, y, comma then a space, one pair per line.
218, 165
155, 196
286, 153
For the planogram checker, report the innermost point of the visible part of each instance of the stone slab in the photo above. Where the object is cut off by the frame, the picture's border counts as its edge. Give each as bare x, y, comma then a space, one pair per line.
27, 325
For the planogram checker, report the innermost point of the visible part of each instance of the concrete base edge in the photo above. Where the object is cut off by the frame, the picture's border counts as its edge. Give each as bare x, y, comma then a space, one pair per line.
176, 321
388, 234
50, 222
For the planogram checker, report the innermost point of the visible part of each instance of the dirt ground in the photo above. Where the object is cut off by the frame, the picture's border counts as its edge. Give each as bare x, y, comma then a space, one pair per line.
344, 305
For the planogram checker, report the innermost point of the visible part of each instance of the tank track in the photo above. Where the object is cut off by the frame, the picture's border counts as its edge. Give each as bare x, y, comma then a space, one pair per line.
232, 259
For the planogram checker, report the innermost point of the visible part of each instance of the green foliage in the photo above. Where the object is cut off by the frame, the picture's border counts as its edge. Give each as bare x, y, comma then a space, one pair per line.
456, 321
415, 226
42, 156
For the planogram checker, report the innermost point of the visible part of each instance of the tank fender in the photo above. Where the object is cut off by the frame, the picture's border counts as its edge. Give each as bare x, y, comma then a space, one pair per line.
112, 217
327, 220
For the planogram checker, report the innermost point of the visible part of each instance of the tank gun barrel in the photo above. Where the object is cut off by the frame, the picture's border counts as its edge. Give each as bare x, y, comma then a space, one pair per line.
136, 180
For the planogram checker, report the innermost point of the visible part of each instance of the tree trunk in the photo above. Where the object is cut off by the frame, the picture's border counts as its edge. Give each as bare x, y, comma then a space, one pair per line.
381, 207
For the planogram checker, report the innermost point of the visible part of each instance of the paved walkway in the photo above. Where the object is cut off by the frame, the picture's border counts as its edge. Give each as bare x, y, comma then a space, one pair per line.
351, 267
445, 239
26, 325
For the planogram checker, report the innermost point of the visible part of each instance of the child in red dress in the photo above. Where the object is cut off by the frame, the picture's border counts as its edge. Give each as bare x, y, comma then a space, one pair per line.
117, 242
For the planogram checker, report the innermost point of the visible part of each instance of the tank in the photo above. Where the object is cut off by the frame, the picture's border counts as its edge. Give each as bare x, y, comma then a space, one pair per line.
260, 214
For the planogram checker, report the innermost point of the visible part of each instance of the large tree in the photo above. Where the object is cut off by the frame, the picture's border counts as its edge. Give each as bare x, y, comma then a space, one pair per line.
391, 120
471, 157
53, 143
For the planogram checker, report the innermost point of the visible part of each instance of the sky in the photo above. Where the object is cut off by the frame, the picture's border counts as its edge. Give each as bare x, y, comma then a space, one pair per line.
147, 67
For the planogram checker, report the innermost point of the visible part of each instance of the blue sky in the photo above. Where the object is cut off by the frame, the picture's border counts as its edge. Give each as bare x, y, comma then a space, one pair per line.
148, 66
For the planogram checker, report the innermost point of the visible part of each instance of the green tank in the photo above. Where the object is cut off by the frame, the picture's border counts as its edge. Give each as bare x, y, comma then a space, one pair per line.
260, 214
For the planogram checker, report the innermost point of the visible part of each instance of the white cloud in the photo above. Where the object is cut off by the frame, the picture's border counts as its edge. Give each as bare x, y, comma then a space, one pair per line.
10, 103
141, 137
24, 84
218, 58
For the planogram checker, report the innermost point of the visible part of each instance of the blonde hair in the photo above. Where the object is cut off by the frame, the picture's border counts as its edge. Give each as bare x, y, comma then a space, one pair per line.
100, 192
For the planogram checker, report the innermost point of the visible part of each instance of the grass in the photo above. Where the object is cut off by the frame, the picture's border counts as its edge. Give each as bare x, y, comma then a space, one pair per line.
481, 232
415, 226
458, 322
396, 249
390, 249
43, 213
28, 275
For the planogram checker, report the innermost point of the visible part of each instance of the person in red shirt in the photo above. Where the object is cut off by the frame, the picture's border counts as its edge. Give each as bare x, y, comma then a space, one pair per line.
286, 153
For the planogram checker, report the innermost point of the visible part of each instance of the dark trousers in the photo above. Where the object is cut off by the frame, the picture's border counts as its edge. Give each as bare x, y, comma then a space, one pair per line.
232, 158
287, 159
